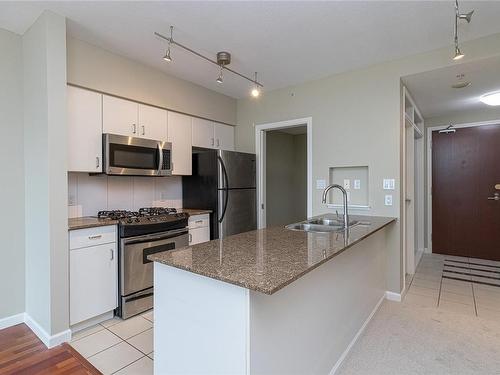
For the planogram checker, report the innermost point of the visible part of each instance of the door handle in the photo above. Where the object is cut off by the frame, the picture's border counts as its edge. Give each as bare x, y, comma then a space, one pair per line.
97, 162
95, 237
218, 143
212, 141
112, 254
495, 197
143, 130
134, 128
190, 238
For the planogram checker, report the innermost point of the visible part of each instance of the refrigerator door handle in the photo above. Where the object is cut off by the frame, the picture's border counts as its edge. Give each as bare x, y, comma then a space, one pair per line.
226, 193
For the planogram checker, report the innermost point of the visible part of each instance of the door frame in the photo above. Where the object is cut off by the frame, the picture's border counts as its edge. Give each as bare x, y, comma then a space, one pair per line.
428, 185
260, 151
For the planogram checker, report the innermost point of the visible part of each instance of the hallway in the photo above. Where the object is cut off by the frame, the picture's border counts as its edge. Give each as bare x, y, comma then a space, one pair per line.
443, 326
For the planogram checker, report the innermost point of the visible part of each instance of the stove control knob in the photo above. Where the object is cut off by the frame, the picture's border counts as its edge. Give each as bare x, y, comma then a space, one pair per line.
129, 221
137, 220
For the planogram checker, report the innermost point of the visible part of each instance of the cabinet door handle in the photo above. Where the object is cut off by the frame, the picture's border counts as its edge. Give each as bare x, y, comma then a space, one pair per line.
97, 162
212, 141
95, 237
218, 143
143, 130
112, 254
190, 238
134, 128
199, 221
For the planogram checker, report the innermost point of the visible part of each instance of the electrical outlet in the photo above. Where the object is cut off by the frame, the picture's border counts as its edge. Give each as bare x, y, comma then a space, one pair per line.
347, 184
389, 184
388, 200
320, 184
357, 184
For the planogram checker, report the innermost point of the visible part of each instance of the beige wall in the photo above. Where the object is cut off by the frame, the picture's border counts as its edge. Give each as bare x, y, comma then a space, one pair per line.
12, 186
45, 158
98, 69
286, 178
356, 120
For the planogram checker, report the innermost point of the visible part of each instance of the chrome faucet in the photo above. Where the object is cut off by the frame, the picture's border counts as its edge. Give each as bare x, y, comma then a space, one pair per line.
344, 193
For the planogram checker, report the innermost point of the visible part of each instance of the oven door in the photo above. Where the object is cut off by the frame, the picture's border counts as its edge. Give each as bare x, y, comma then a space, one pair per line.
136, 271
135, 156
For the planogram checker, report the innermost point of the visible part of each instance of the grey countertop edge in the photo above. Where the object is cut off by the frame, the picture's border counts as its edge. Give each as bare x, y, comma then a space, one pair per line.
272, 291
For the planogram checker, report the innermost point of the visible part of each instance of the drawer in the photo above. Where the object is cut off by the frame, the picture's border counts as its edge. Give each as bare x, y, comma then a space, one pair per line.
91, 236
199, 221
199, 235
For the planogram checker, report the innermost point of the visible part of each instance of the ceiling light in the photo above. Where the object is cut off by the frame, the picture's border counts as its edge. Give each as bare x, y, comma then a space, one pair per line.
461, 82
492, 98
223, 60
460, 16
167, 54
458, 54
220, 79
256, 91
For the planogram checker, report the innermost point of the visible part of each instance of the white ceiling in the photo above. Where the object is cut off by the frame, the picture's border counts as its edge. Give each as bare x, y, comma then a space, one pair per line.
286, 42
434, 95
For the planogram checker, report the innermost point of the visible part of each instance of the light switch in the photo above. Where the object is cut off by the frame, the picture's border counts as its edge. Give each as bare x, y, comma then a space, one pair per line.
389, 184
388, 200
347, 184
320, 184
357, 184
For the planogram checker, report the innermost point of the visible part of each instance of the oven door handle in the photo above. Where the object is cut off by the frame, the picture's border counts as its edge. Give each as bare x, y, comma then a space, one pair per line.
155, 237
160, 159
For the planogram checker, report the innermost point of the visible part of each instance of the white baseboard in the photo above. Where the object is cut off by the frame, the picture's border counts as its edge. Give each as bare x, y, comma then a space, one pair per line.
391, 296
49, 340
356, 337
12, 320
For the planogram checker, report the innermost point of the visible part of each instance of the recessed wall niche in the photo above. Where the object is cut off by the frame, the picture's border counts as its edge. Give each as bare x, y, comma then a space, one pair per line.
355, 180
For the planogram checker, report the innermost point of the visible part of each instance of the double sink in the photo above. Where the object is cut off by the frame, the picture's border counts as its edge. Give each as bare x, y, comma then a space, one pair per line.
322, 224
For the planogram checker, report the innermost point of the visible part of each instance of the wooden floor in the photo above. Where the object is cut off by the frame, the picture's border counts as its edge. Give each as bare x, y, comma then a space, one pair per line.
22, 352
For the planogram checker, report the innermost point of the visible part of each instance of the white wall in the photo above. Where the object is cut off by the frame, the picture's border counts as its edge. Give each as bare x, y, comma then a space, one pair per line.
45, 139
101, 192
98, 69
356, 120
286, 178
12, 186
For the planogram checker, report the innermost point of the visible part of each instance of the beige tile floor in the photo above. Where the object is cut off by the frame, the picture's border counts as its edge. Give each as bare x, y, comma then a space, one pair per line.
427, 288
122, 347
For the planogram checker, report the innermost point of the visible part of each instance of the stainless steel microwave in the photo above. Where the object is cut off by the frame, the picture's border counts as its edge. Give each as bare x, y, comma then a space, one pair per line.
130, 156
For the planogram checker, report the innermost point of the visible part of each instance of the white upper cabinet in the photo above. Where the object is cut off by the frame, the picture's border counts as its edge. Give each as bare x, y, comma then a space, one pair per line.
208, 134
224, 136
132, 119
180, 135
152, 123
119, 116
203, 133
84, 130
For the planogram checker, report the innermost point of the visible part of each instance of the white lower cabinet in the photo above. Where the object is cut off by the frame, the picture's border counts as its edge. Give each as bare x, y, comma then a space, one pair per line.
93, 274
199, 229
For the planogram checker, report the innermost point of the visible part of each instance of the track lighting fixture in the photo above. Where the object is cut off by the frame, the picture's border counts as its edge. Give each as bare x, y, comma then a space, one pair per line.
255, 91
460, 16
223, 60
167, 54
220, 79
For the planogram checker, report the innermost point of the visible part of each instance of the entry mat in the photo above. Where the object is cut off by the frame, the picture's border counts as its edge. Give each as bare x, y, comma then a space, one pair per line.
474, 270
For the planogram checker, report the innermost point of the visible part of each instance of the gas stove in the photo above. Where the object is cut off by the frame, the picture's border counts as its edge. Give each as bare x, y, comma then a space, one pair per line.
146, 221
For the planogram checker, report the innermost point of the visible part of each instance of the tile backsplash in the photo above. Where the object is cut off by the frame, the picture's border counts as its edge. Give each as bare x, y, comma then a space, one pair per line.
101, 192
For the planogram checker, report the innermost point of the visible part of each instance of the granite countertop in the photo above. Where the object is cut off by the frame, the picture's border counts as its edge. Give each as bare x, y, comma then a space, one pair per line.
267, 260
88, 222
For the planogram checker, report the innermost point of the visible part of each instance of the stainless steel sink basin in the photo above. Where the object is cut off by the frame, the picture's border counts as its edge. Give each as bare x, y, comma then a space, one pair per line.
321, 225
306, 227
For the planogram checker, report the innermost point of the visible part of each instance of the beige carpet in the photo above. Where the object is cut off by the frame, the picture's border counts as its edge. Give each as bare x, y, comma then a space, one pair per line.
407, 339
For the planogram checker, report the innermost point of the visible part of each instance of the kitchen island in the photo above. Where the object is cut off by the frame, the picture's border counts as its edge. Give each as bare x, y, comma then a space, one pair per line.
268, 301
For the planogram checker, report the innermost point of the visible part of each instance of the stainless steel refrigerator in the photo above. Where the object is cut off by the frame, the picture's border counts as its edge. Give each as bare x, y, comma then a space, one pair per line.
224, 182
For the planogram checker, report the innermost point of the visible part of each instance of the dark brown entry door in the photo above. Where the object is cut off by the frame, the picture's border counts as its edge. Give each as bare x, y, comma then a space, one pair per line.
465, 170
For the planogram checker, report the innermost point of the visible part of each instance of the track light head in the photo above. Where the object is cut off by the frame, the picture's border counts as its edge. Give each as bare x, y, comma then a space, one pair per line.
256, 90
167, 57
220, 79
458, 54
466, 16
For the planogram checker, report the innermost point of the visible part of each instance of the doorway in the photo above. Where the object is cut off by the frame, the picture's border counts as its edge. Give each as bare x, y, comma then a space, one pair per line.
465, 192
284, 172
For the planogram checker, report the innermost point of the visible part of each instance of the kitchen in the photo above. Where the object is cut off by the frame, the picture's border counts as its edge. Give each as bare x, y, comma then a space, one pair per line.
134, 162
